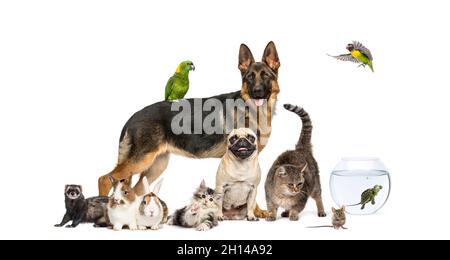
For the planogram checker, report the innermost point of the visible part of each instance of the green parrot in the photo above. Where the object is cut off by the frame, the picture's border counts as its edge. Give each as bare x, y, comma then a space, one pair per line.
358, 54
178, 85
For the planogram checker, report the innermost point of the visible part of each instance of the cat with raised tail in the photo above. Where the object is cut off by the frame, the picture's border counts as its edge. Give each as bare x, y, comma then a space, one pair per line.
294, 176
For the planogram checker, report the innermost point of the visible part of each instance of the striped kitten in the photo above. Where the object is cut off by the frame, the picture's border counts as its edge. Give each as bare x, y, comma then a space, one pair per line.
201, 213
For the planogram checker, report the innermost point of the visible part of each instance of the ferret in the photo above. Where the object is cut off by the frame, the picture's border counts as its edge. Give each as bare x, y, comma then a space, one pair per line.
81, 210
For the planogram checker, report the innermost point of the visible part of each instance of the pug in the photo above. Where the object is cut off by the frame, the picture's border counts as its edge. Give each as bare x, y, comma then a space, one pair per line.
238, 177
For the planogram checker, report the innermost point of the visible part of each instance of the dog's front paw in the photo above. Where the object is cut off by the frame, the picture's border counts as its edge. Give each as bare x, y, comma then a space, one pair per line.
252, 218
271, 218
203, 227
322, 214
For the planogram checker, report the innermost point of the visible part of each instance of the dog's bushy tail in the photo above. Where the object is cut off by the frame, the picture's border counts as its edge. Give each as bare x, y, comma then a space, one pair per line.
260, 213
304, 142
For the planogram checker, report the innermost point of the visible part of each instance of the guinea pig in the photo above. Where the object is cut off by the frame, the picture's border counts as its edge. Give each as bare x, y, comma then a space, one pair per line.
153, 211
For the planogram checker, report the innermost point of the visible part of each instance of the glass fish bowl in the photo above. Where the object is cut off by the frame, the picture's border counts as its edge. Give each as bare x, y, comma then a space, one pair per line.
361, 184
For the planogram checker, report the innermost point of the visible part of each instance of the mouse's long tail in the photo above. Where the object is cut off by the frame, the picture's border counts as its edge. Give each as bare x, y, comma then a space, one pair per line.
320, 226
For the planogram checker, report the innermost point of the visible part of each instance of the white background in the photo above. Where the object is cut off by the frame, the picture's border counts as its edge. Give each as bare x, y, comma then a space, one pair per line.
73, 72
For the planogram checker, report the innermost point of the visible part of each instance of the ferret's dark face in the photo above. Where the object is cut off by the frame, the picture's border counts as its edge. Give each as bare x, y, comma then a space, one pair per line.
242, 143
73, 192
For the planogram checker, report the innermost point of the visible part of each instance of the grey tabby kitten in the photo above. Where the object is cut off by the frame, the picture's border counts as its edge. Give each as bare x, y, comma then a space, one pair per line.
201, 213
294, 176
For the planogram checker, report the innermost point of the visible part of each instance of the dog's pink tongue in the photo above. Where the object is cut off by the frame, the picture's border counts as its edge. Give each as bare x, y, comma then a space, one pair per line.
259, 102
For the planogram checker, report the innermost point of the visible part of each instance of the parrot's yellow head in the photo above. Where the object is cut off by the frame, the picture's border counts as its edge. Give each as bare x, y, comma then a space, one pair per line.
185, 67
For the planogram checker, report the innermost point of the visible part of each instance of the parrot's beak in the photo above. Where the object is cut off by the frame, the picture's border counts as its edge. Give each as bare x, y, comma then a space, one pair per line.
192, 68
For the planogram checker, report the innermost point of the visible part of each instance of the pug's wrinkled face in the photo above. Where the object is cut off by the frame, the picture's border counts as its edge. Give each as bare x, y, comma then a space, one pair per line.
242, 143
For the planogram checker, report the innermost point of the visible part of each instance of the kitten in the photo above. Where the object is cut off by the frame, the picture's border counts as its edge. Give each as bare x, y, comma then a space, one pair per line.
201, 213
294, 176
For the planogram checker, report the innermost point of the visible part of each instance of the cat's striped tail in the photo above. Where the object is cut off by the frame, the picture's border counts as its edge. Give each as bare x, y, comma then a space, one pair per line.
304, 141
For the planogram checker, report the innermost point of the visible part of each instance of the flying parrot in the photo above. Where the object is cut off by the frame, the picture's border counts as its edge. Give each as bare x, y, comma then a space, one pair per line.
358, 54
178, 85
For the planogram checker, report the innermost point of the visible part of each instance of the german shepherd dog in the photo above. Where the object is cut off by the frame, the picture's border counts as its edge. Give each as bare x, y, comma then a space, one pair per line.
147, 139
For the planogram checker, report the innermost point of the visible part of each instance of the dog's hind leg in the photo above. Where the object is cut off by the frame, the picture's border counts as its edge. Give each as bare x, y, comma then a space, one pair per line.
127, 169
158, 167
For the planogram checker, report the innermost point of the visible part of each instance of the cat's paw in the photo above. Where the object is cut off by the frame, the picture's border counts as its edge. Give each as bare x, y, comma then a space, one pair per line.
220, 217
203, 227
58, 225
155, 227
293, 218
70, 226
252, 218
322, 214
142, 227
271, 218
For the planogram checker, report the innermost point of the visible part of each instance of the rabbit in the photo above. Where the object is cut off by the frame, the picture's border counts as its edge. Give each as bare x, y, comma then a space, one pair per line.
153, 212
123, 205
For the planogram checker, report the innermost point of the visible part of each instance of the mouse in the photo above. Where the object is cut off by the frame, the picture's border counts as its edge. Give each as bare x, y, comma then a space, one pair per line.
337, 220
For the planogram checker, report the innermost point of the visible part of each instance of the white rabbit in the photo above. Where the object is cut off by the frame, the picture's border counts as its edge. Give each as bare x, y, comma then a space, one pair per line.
123, 205
153, 212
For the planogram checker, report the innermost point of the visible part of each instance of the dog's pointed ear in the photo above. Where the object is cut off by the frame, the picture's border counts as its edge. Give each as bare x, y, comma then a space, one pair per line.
245, 58
270, 57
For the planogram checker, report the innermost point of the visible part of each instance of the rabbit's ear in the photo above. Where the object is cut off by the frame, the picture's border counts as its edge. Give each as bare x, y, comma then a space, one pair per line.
146, 185
157, 187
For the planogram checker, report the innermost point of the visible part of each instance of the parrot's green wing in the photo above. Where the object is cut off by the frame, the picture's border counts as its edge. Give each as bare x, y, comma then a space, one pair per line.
169, 88
345, 57
358, 46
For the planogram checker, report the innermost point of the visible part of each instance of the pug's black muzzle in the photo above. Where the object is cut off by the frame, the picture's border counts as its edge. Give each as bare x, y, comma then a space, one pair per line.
242, 148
